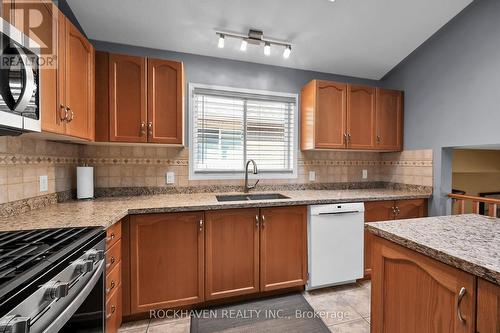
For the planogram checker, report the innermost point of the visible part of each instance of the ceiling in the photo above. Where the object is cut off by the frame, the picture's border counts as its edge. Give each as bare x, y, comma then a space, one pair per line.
361, 38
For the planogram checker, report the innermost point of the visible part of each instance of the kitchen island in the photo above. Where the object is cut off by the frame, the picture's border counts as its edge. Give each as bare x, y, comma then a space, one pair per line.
436, 274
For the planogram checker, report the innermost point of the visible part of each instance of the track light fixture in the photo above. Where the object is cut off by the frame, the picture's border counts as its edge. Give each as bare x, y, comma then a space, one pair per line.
255, 37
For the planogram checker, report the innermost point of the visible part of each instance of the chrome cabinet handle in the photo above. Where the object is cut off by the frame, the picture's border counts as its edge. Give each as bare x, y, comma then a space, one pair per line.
113, 309
111, 287
111, 262
379, 138
348, 138
143, 128
257, 221
263, 221
397, 210
461, 295
71, 113
345, 138
111, 237
150, 128
201, 225
63, 113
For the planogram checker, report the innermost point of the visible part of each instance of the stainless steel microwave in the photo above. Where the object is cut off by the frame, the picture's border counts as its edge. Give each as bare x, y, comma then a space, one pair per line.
19, 82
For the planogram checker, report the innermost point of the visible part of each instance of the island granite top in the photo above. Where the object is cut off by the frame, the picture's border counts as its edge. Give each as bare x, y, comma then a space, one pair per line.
469, 242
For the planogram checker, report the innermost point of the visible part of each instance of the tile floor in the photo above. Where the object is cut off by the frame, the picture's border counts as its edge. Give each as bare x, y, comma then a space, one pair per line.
346, 309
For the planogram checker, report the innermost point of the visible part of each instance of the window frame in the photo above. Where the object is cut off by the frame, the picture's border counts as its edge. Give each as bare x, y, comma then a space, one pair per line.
215, 175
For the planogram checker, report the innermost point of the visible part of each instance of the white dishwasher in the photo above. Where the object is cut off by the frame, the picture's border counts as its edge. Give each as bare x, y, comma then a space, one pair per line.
335, 244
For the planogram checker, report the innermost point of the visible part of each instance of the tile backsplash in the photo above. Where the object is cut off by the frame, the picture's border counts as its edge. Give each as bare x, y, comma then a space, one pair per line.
23, 160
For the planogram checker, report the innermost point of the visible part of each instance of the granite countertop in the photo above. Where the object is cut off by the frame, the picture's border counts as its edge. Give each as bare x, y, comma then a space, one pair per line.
468, 242
107, 211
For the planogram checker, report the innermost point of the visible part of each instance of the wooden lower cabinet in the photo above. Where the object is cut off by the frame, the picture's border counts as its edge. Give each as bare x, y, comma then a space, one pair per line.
166, 260
232, 253
113, 283
180, 259
376, 211
413, 293
283, 247
488, 307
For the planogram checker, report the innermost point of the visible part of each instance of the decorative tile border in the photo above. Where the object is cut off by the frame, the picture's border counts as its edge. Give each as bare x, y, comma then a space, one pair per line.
18, 159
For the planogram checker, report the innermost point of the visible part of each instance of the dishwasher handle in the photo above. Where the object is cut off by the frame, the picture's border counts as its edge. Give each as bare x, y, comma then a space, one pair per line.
339, 213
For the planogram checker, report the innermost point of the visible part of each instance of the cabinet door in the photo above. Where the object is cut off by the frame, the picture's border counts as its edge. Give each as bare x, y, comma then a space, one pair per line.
389, 120
360, 117
413, 293
166, 257
488, 307
330, 117
411, 209
165, 101
283, 248
127, 98
79, 83
375, 211
46, 34
232, 253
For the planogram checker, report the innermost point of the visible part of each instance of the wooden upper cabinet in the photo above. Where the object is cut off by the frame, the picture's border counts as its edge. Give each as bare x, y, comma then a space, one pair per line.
6, 7
79, 84
323, 115
166, 260
488, 307
46, 34
389, 120
232, 253
144, 102
283, 249
360, 117
127, 98
346, 116
165, 101
413, 293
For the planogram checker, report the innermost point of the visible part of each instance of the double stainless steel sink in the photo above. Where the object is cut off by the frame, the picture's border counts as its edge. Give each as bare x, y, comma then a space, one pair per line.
245, 197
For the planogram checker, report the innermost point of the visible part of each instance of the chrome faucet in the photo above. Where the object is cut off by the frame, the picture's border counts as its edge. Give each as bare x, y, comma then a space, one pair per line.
255, 171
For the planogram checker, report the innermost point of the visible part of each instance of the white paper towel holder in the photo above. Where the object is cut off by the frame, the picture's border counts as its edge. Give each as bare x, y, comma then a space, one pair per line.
85, 182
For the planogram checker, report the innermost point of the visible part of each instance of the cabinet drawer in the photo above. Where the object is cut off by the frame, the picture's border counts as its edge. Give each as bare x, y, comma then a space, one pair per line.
113, 256
113, 280
114, 312
113, 234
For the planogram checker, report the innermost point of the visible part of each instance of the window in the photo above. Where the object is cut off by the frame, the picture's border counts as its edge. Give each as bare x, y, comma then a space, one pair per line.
230, 127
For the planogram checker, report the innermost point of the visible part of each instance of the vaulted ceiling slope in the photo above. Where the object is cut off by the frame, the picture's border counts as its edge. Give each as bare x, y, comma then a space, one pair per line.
361, 38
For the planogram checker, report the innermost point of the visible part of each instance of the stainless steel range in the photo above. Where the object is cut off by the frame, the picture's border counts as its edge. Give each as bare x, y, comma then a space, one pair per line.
52, 280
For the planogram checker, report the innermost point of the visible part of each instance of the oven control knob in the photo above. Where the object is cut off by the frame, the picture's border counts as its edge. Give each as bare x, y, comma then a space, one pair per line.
14, 324
84, 266
95, 255
56, 289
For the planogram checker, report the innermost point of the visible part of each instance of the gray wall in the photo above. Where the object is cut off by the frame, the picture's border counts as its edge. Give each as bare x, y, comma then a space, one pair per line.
452, 90
231, 73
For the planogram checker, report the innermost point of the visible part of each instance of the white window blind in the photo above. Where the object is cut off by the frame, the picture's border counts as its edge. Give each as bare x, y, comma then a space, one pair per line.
230, 127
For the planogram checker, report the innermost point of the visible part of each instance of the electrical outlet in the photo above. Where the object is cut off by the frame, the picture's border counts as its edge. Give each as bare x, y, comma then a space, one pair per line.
365, 173
312, 176
170, 177
44, 183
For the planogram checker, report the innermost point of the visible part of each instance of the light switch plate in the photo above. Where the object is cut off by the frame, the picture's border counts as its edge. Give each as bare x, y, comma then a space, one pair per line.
312, 176
44, 183
365, 173
170, 177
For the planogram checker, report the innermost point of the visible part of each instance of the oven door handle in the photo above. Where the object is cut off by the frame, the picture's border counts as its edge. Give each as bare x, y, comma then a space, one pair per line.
66, 315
